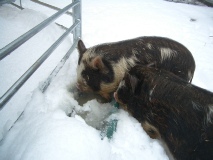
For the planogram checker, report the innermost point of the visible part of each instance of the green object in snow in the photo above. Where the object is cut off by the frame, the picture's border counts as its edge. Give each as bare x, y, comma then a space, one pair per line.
116, 105
109, 129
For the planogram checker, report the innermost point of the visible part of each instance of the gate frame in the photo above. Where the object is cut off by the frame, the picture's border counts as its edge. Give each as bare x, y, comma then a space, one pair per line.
75, 29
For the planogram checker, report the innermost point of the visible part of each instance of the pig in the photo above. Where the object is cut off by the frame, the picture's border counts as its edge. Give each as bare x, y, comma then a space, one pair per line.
171, 109
101, 68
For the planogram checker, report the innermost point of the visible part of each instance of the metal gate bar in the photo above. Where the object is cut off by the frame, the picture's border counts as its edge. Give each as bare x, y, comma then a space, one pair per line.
76, 27
19, 41
15, 87
50, 6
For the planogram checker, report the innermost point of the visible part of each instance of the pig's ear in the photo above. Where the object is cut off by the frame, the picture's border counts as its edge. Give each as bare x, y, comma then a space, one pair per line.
97, 63
133, 82
81, 47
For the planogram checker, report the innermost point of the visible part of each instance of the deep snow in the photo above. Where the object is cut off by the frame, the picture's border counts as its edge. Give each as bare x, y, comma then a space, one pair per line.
53, 125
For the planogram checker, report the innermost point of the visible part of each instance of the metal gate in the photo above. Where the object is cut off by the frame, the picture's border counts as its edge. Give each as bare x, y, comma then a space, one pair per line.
75, 29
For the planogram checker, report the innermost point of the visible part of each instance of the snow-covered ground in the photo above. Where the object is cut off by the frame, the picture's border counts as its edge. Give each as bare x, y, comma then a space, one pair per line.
45, 131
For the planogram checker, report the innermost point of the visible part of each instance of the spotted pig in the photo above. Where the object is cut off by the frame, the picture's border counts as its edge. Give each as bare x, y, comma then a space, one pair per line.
170, 108
102, 67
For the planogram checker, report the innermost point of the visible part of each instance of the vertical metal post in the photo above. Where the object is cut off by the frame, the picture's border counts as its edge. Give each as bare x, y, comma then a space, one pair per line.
77, 17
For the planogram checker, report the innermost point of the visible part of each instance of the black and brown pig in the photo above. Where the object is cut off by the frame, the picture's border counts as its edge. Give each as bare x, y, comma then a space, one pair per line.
102, 67
170, 108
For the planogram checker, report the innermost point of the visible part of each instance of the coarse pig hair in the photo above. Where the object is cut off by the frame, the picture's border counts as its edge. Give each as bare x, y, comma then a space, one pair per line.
102, 67
170, 108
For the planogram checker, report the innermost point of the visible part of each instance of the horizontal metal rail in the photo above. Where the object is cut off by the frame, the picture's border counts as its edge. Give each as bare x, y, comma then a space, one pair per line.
5, 51
50, 6
15, 87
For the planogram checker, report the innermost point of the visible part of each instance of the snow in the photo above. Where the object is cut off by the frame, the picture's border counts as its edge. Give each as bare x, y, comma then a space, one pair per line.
53, 124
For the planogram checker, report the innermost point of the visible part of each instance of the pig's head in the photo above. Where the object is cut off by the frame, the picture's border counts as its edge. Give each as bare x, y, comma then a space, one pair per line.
94, 73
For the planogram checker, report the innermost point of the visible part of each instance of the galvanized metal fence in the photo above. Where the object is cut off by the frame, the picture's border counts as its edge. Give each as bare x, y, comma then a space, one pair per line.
75, 29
